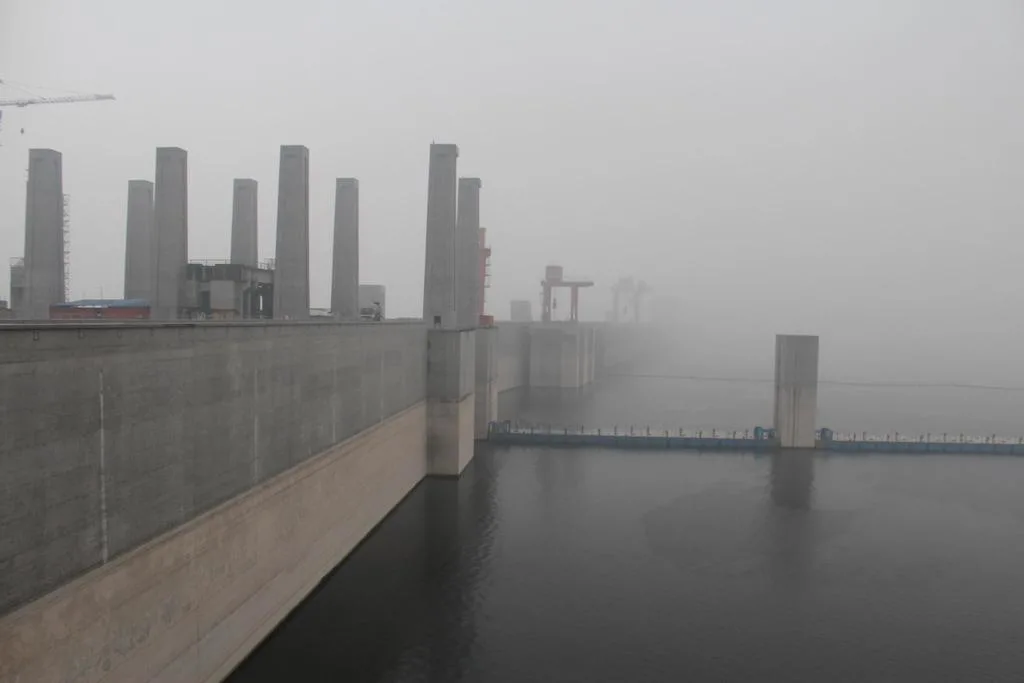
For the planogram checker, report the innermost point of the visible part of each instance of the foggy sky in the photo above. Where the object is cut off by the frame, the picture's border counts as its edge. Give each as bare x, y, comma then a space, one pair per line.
853, 171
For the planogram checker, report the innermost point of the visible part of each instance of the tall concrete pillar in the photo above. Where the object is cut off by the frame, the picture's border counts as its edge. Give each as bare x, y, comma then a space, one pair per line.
451, 351
440, 269
467, 236
138, 244
44, 234
244, 227
170, 243
345, 271
291, 276
796, 389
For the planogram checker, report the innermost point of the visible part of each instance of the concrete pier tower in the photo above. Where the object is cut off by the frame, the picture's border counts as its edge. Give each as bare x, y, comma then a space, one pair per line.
451, 348
345, 269
44, 234
244, 225
291, 275
440, 269
138, 245
467, 234
796, 389
170, 241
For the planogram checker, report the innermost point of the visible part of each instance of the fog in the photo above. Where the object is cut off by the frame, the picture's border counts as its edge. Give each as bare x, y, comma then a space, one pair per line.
852, 170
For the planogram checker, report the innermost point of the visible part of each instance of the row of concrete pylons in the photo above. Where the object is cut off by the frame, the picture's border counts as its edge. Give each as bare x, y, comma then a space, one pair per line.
156, 246
451, 274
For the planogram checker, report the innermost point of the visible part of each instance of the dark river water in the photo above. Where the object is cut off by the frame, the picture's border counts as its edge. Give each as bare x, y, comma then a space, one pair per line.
602, 566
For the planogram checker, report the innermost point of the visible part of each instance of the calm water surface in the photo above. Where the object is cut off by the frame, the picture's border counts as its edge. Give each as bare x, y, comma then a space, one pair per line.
597, 566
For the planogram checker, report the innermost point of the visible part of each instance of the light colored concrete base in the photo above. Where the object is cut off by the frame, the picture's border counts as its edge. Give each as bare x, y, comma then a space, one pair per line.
449, 436
191, 604
451, 379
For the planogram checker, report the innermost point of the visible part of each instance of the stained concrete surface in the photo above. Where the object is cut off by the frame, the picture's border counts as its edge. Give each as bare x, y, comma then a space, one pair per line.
190, 605
113, 435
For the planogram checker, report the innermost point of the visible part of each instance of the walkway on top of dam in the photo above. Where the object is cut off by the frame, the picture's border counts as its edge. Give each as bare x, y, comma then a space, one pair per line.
757, 439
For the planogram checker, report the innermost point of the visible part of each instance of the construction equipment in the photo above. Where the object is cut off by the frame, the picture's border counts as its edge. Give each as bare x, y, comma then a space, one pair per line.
54, 100
61, 99
554, 278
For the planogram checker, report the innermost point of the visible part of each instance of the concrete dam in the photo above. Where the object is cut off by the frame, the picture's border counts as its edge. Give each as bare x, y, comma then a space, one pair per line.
172, 489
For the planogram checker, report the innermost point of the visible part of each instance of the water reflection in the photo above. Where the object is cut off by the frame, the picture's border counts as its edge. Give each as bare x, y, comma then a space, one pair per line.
792, 479
792, 529
609, 566
408, 604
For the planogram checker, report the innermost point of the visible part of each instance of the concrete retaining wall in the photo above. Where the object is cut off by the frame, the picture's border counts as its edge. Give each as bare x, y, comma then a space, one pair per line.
561, 357
169, 492
513, 355
189, 605
113, 435
486, 381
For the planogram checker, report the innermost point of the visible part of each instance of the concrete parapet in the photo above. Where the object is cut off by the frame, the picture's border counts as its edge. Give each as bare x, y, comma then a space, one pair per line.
796, 390
451, 361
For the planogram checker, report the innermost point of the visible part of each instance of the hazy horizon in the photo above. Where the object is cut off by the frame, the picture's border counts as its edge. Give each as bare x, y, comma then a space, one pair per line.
850, 171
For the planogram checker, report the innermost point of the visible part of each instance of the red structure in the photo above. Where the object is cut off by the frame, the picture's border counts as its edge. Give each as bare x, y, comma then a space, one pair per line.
554, 278
101, 309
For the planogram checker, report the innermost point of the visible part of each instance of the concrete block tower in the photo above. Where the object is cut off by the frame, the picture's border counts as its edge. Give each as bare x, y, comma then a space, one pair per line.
467, 235
138, 245
44, 234
345, 270
291, 275
440, 268
796, 389
244, 228
170, 242
451, 349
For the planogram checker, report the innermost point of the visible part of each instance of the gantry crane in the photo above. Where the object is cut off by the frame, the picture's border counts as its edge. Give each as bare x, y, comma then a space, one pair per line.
553, 278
